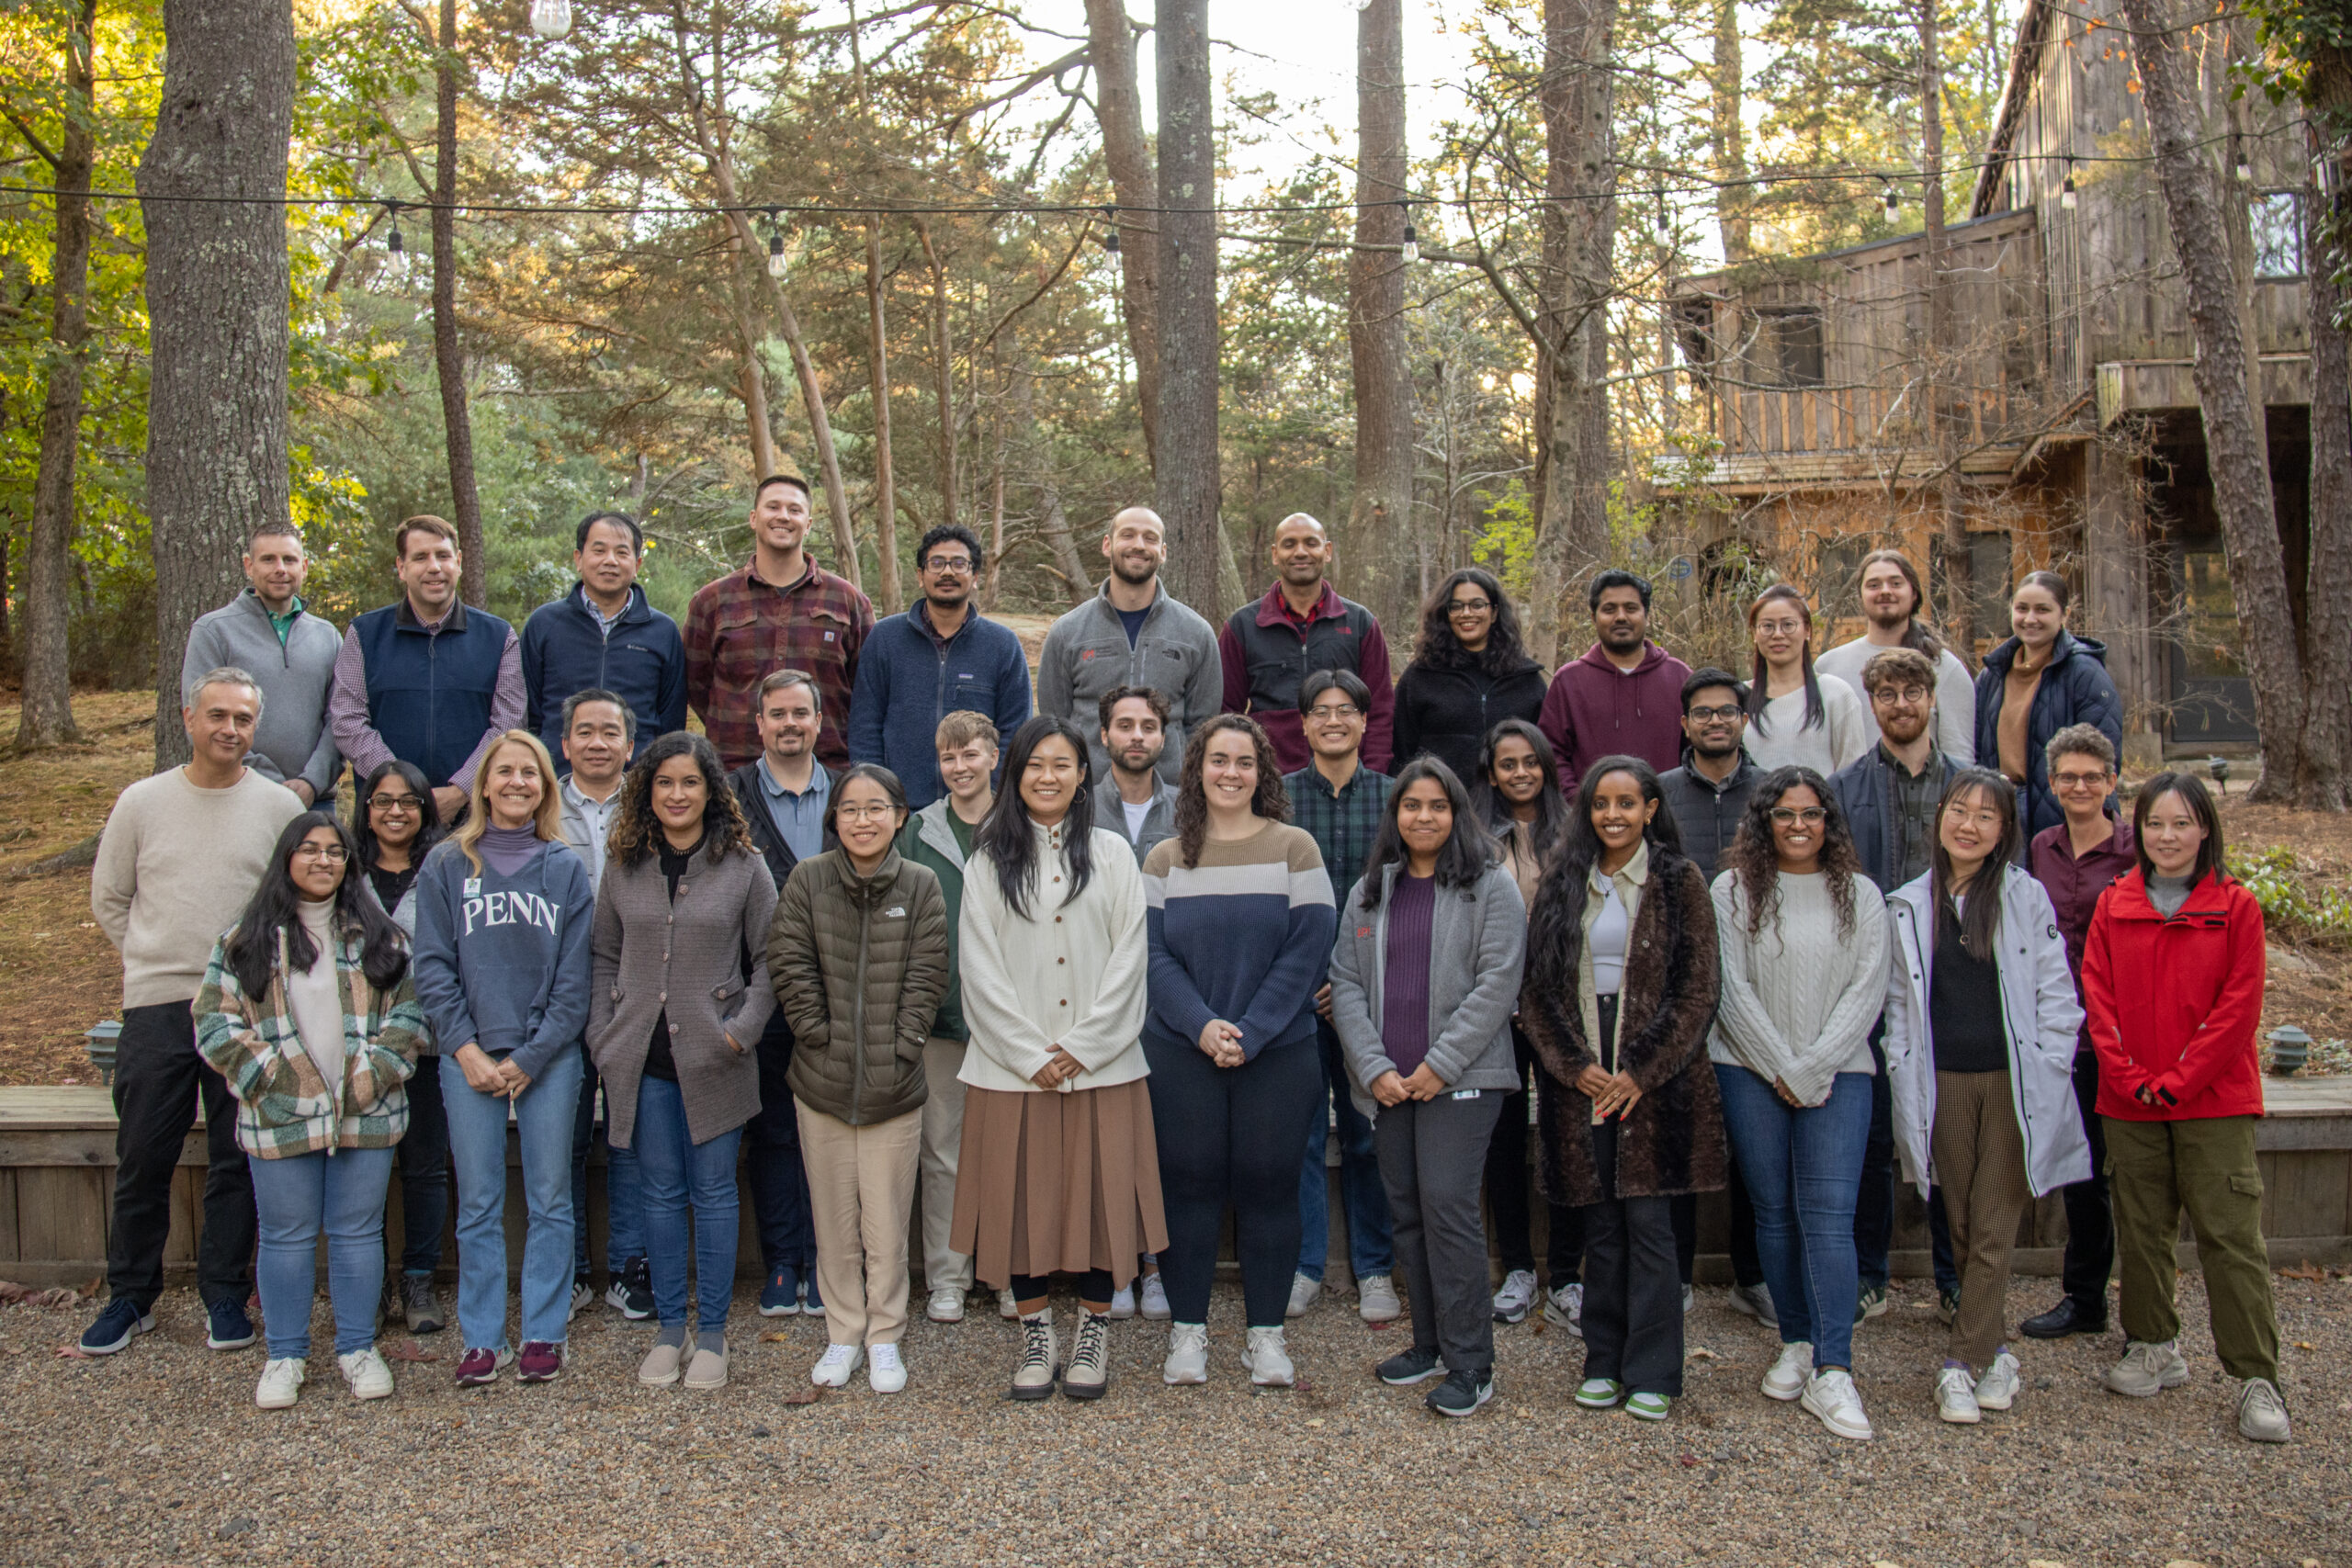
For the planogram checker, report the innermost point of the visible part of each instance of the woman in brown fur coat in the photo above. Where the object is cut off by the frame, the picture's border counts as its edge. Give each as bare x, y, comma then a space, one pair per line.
1621, 987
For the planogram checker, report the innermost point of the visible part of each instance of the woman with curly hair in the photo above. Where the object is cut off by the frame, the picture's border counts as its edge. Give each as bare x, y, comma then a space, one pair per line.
1468, 674
680, 998
1804, 937
1240, 914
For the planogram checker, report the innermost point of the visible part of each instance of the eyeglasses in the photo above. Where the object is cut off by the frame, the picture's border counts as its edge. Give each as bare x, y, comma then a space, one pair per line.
877, 811
1329, 711
333, 854
1900, 693
2080, 780
1726, 713
396, 802
1468, 606
1811, 816
948, 563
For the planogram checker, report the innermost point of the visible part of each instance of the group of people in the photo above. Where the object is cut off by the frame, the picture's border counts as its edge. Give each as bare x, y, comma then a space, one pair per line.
1069, 976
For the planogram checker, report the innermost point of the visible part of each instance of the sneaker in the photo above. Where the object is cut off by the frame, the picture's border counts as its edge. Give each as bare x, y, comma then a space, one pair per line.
1188, 1354
281, 1383
1871, 1303
811, 1304
1565, 1307
2262, 1414
1791, 1372
122, 1321
2068, 1317
1997, 1389
659, 1367
1956, 1397
1034, 1378
584, 1296
420, 1308
1267, 1359
1376, 1299
1461, 1393
1600, 1393
1406, 1368
631, 1293
1946, 1305
1304, 1289
1123, 1302
1831, 1396
1690, 1300
1649, 1406
477, 1368
833, 1367
1153, 1293
226, 1326
1088, 1375
541, 1361
365, 1373
946, 1305
1517, 1298
707, 1369
886, 1373
1006, 1307
2147, 1369
780, 1297
1757, 1302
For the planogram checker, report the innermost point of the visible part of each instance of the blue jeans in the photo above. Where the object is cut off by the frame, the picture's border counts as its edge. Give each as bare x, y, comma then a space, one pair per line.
676, 1170
624, 1192
543, 1118
297, 1199
1803, 1167
1370, 1248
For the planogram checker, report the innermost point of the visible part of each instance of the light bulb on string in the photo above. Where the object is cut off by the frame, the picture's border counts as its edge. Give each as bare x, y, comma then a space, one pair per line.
1111, 233
1410, 251
1894, 203
2245, 170
2066, 188
777, 263
395, 249
552, 18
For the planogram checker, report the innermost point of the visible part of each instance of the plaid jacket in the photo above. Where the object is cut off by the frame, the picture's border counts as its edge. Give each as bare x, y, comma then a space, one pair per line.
740, 630
284, 1106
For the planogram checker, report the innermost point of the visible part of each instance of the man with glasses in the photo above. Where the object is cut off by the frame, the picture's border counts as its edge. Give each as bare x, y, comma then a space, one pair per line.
782, 611
940, 657
1708, 794
1302, 626
2074, 862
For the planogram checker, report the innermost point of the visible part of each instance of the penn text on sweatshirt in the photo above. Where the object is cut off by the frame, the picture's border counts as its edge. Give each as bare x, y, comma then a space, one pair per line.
503, 961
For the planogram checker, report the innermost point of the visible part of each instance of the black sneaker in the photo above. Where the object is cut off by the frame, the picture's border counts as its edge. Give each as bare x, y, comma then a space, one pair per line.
632, 1291
122, 1321
227, 1326
2067, 1318
1408, 1367
1461, 1393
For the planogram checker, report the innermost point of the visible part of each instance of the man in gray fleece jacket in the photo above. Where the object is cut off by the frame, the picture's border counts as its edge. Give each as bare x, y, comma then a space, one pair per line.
266, 631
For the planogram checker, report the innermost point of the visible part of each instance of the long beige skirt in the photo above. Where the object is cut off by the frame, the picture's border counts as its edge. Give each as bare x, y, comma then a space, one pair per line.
1050, 1183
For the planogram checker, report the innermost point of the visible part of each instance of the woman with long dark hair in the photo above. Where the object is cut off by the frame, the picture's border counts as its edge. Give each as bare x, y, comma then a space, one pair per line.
681, 996
1621, 983
1468, 674
1424, 977
2035, 684
307, 1012
1794, 718
1981, 1026
1802, 930
1058, 1169
1241, 916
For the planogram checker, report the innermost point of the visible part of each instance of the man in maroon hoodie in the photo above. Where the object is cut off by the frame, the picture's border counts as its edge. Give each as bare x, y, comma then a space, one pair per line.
1624, 695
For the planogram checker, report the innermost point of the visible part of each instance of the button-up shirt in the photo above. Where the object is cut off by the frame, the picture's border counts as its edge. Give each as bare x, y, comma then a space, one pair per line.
2074, 883
1913, 831
741, 629
587, 824
798, 815
1342, 823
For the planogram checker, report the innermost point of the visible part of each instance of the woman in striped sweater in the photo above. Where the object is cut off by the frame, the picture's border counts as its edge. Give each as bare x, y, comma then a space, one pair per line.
1241, 917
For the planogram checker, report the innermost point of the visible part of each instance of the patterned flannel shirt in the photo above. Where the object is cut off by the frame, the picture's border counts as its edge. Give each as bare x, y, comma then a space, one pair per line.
1342, 823
741, 629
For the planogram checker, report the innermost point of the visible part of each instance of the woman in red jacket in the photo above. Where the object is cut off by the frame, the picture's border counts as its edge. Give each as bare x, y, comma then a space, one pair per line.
2172, 982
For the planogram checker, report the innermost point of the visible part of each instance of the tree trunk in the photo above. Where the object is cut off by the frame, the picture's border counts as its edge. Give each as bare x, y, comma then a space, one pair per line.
2322, 780
886, 483
813, 400
217, 286
1118, 107
448, 358
1727, 131
1185, 475
752, 381
1376, 551
942, 348
47, 718
1952, 521
2234, 438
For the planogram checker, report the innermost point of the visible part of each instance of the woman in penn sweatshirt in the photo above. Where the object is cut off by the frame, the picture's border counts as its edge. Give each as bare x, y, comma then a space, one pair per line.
504, 917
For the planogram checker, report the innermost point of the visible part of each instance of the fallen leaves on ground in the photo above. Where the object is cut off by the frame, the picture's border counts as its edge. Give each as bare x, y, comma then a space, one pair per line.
776, 1338
409, 1351
14, 1294
2309, 1271
73, 1353
807, 1394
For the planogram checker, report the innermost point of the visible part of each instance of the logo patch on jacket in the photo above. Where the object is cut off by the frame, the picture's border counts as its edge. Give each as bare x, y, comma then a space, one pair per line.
1363, 931
895, 912
829, 637
1084, 654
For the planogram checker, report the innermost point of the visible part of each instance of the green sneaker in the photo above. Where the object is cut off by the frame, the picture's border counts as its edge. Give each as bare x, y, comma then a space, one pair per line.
1649, 1407
1600, 1393
1871, 1304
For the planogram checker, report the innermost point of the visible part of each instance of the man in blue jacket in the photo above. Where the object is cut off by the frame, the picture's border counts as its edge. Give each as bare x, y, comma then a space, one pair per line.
936, 659
604, 635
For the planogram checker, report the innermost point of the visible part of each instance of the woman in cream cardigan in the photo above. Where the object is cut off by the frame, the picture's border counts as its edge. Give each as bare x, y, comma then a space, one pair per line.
1058, 1167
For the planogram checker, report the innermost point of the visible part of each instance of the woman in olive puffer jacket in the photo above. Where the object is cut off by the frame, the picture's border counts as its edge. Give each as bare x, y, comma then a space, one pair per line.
858, 956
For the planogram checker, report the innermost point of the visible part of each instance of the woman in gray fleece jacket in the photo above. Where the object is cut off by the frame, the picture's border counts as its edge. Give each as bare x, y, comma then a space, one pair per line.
1425, 973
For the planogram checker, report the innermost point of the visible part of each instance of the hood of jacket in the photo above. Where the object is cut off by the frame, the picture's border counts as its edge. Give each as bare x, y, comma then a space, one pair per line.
2066, 646
1652, 657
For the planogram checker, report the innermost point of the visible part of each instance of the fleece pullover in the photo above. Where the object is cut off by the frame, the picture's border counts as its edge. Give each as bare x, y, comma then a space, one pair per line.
502, 959
1595, 710
296, 669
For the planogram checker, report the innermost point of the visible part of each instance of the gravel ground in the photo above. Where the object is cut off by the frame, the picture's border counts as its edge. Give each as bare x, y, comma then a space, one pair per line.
158, 1456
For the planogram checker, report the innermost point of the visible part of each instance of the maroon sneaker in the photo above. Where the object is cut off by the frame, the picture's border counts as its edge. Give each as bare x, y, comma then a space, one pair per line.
542, 1362
480, 1367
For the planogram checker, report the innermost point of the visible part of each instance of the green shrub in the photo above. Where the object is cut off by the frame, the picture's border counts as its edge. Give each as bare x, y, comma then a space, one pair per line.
2276, 882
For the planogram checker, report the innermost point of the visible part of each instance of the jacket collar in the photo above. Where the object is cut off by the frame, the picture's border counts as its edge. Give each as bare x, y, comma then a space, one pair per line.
1158, 597
1635, 871
919, 613
1108, 800
246, 596
933, 829
1745, 773
1273, 610
869, 889
2131, 896
404, 616
1598, 656
635, 609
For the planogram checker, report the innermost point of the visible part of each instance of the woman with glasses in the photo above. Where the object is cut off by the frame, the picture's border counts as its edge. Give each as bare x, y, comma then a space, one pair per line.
1468, 674
1795, 717
1981, 1024
307, 1012
2035, 684
1803, 933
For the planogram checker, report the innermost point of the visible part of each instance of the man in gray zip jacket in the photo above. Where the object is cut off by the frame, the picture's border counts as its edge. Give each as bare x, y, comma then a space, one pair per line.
1132, 633
266, 631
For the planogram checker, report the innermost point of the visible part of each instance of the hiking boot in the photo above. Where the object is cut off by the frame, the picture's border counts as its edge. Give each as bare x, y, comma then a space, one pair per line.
1088, 1373
1034, 1378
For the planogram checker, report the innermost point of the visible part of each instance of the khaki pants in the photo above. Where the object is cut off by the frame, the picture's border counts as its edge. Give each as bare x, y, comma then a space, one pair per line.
2154, 1170
1979, 1158
861, 1181
944, 1267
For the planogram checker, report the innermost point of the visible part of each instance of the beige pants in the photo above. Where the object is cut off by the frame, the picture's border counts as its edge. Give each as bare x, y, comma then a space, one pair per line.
861, 1181
1979, 1157
944, 1267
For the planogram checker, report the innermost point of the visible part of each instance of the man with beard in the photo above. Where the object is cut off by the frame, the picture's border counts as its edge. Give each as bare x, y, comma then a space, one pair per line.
1892, 601
1135, 800
1708, 794
1624, 695
1132, 633
1301, 627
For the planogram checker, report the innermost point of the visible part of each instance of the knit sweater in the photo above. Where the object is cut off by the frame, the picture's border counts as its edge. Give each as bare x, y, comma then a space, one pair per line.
1799, 1000
1245, 935
174, 865
1778, 738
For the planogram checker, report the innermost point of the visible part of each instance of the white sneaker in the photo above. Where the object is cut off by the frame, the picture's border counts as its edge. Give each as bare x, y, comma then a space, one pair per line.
1376, 1299
365, 1373
1956, 1397
1831, 1396
1188, 1354
885, 1372
1304, 1289
946, 1305
833, 1367
1997, 1389
1154, 1294
2147, 1369
1790, 1373
2262, 1414
1123, 1302
1267, 1359
1690, 1300
1565, 1307
281, 1383
1005, 1308
1517, 1298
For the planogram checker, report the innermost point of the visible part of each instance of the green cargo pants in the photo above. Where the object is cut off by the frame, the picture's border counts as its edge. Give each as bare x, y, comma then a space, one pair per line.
2207, 1167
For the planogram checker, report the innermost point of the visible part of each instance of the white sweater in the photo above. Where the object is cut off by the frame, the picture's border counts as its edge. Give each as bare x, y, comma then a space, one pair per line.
1798, 1000
1955, 695
315, 995
1777, 737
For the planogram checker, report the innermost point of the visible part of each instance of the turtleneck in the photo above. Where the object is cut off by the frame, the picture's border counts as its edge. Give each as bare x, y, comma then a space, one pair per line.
2168, 893
313, 996
509, 850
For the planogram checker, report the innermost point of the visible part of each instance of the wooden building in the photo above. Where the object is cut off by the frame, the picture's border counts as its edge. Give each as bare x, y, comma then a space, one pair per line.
2073, 428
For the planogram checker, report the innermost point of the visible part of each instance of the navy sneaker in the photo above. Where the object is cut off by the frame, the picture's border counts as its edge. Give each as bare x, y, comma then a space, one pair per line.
631, 1291
122, 1321
1461, 1393
810, 1301
780, 1297
228, 1327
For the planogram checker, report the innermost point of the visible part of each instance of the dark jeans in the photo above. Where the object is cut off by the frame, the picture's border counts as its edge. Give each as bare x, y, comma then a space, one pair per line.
1231, 1135
624, 1190
772, 1159
1510, 1187
1632, 1289
158, 1078
1940, 1244
1094, 1287
422, 1155
2090, 1223
1431, 1152
1370, 1250
1747, 1267
1874, 1200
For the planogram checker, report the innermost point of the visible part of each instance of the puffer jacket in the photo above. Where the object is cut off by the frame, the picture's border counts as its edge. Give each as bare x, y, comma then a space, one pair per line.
2075, 689
859, 966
